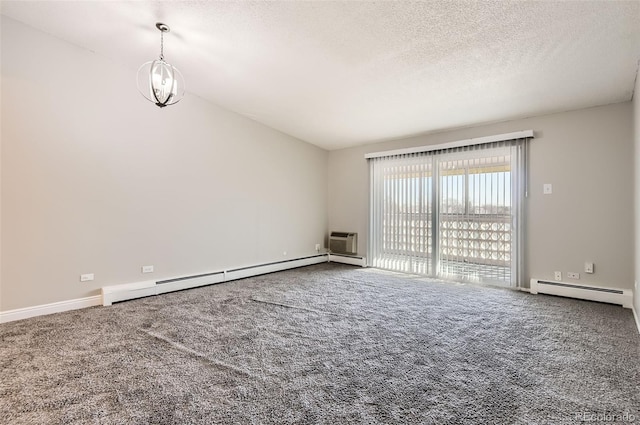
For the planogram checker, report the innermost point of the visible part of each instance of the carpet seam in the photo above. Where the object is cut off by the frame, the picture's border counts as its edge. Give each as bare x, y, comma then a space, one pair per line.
201, 356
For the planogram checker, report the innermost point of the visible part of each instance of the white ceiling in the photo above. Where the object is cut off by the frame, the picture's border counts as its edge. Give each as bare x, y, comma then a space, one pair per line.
343, 73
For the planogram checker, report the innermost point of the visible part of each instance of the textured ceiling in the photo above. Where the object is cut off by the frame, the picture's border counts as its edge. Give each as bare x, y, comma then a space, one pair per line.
343, 73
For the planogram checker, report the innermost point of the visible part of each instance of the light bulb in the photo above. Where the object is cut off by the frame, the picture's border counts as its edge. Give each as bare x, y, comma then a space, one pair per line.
162, 83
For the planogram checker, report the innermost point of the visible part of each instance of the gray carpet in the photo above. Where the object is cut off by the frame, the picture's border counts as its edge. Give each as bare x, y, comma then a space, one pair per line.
325, 344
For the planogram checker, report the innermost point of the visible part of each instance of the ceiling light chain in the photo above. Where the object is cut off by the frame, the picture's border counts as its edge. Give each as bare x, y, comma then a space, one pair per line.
161, 45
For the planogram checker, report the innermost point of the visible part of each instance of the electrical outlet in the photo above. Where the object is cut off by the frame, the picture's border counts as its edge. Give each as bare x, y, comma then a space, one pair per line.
317, 247
284, 253
573, 275
588, 267
557, 275
86, 277
547, 189
147, 269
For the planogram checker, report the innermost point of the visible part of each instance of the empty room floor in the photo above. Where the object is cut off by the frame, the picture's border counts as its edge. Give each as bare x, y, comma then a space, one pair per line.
325, 344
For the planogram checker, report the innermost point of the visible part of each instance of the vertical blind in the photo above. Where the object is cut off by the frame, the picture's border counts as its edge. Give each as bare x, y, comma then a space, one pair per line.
454, 213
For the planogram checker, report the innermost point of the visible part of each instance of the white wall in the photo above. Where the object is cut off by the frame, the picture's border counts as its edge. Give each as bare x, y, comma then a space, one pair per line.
588, 157
95, 179
636, 127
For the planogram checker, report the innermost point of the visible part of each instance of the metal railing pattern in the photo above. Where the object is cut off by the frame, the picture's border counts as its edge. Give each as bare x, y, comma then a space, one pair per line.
478, 246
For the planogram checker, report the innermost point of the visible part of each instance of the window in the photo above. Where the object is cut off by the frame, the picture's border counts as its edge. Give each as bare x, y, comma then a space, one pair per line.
453, 213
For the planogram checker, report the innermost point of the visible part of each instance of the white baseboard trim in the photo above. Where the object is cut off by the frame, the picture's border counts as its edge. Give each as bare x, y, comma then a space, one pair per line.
635, 315
348, 259
244, 272
57, 307
130, 291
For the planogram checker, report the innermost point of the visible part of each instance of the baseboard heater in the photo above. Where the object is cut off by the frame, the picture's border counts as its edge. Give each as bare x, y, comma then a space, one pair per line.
130, 291
622, 297
348, 259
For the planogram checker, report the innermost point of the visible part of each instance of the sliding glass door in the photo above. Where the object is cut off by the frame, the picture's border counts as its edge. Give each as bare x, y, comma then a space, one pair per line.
403, 215
454, 214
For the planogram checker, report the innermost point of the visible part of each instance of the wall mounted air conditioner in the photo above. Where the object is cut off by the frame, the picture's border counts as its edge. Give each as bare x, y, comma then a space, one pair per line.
343, 243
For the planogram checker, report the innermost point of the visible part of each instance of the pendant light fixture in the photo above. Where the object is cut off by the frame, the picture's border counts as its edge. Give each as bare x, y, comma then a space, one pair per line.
159, 81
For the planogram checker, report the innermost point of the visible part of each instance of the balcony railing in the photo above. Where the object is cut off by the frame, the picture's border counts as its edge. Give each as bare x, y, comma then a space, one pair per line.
469, 245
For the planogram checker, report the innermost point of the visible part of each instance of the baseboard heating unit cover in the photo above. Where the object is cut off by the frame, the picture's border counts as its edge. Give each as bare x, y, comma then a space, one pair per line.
354, 260
115, 293
623, 297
